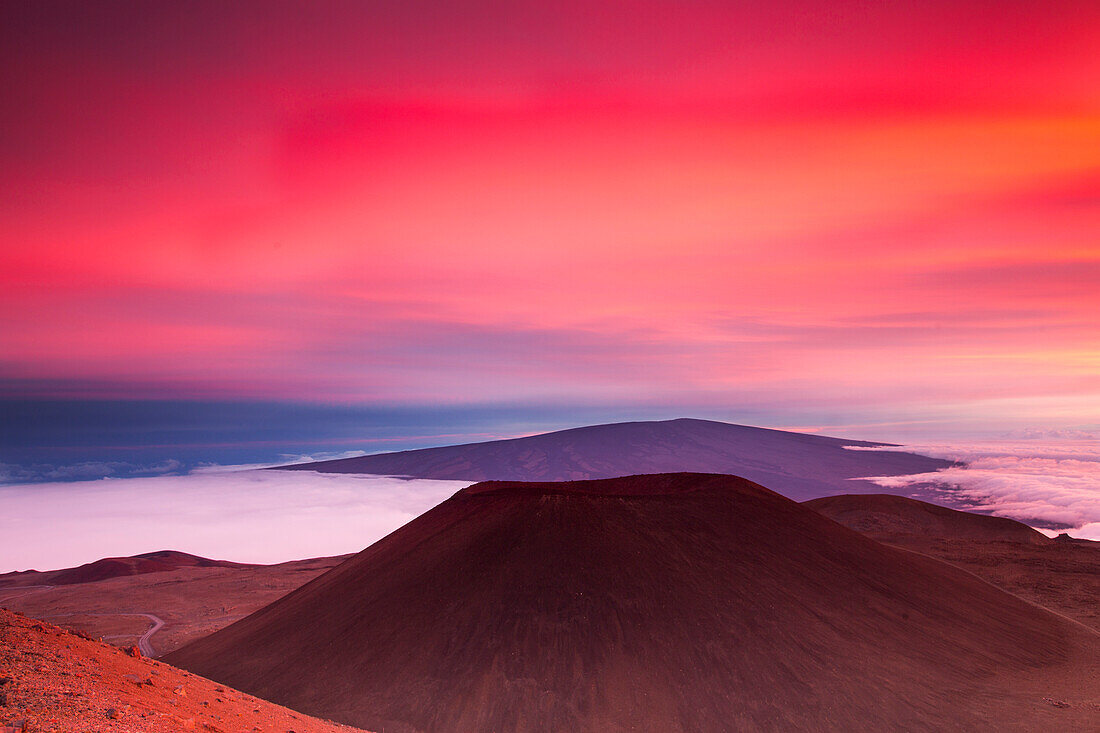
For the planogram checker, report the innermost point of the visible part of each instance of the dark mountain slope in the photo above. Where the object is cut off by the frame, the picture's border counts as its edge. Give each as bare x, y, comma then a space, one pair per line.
1061, 575
678, 602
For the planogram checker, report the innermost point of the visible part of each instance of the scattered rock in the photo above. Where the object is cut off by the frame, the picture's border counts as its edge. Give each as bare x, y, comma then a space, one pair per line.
134, 651
39, 681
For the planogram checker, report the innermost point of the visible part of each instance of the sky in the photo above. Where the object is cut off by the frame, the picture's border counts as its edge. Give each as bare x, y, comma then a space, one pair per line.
870, 219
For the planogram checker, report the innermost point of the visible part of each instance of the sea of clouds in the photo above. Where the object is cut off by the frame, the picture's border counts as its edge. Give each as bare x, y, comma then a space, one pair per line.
1053, 485
246, 515
249, 515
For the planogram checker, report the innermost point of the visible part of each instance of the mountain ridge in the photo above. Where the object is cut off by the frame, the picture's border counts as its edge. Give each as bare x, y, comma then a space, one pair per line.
112, 567
887, 517
685, 602
797, 465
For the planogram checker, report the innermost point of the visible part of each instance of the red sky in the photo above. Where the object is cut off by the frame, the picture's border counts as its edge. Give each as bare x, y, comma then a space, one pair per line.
844, 204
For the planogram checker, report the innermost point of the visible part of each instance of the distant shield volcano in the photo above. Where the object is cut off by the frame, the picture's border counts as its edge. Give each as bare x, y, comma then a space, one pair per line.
797, 465
679, 602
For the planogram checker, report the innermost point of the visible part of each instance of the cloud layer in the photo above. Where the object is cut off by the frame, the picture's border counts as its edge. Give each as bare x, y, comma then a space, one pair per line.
246, 516
272, 516
1051, 484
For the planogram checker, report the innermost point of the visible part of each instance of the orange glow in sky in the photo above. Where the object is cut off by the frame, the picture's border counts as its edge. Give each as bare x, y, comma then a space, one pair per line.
832, 203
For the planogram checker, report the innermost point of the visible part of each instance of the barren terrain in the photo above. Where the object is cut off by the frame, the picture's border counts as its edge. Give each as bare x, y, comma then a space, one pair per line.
52, 681
192, 601
678, 602
1062, 576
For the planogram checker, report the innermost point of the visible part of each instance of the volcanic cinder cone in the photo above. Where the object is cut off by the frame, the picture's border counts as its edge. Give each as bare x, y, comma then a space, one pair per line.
891, 518
674, 602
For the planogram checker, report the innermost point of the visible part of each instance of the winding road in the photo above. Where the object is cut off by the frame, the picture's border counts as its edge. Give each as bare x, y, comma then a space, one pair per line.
144, 645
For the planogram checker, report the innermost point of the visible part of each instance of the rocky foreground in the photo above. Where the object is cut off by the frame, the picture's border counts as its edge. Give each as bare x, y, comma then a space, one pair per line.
53, 681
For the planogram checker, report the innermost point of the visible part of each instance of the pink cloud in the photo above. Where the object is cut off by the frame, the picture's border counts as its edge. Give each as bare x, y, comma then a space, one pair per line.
224, 514
1050, 482
578, 202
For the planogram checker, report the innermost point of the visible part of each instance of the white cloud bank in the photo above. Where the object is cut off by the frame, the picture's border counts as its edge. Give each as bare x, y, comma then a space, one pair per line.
273, 516
241, 515
1038, 482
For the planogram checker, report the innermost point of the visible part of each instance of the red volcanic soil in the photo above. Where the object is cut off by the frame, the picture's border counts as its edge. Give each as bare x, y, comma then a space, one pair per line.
888, 518
679, 602
192, 600
797, 465
52, 681
161, 561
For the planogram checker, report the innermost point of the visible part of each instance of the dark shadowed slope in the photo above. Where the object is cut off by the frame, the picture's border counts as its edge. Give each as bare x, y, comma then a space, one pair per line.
677, 602
113, 567
1063, 575
796, 465
889, 518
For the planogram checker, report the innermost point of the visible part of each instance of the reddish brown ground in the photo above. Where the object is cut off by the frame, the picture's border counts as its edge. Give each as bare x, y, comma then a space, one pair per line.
679, 602
192, 601
52, 681
1062, 576
113, 567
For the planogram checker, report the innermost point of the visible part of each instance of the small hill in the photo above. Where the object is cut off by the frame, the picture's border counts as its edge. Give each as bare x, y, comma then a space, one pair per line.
797, 465
1062, 574
114, 567
52, 680
192, 600
1064, 538
677, 602
892, 518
